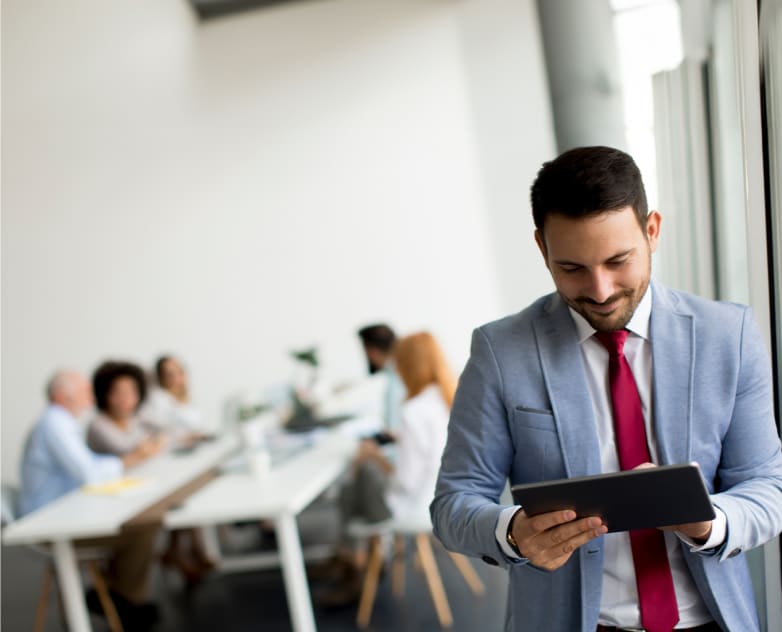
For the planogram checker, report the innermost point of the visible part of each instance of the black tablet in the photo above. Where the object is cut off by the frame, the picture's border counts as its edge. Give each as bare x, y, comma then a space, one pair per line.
633, 499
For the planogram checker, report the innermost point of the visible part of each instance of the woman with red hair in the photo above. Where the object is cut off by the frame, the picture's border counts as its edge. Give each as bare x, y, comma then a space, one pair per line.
381, 488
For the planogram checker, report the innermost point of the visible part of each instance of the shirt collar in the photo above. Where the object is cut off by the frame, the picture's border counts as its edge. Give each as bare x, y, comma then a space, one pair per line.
639, 323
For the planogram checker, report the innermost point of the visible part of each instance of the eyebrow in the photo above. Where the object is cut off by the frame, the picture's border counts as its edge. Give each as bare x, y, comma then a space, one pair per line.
618, 255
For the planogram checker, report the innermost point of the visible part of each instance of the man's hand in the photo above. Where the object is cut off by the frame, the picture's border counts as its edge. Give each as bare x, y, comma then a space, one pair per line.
548, 540
698, 531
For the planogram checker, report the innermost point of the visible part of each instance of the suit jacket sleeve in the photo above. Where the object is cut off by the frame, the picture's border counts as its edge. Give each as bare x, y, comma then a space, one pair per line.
476, 460
750, 470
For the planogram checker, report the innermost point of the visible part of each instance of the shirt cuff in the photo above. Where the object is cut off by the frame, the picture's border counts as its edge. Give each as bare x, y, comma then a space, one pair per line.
501, 531
719, 529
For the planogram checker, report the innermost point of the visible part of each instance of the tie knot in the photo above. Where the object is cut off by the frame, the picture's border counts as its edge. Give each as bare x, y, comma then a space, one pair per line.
614, 341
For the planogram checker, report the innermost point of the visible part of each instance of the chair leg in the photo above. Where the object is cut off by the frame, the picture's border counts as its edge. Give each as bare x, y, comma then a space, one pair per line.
433, 580
398, 567
112, 617
43, 599
369, 589
468, 572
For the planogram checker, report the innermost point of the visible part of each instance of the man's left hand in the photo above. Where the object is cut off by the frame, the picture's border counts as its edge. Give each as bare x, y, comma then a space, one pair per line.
698, 531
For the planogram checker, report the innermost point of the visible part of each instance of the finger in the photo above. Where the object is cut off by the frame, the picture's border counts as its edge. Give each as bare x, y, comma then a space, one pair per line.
545, 521
568, 531
554, 564
539, 541
557, 537
644, 466
566, 547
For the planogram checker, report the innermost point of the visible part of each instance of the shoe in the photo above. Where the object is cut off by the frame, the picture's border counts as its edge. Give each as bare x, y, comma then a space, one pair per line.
206, 565
133, 616
336, 567
345, 593
191, 572
93, 602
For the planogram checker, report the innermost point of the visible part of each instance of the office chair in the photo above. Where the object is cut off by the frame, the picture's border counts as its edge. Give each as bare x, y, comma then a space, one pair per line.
419, 527
88, 556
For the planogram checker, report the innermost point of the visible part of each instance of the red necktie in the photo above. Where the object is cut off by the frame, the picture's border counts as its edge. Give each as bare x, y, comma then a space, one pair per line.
656, 597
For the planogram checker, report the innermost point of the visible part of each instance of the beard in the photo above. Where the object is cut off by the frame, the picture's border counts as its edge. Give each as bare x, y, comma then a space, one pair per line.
627, 302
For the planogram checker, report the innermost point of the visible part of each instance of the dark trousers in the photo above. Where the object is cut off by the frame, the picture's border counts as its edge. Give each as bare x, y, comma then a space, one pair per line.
132, 554
363, 496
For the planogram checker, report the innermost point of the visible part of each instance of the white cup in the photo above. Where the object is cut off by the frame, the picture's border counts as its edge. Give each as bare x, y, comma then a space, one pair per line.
260, 463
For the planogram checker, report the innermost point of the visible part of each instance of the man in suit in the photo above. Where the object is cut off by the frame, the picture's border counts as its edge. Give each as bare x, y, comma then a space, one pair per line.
545, 395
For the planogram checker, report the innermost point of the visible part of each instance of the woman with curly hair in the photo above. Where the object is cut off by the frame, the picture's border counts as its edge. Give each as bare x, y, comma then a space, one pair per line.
119, 389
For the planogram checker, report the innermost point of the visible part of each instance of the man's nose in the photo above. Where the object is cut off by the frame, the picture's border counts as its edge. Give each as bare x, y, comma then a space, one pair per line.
601, 286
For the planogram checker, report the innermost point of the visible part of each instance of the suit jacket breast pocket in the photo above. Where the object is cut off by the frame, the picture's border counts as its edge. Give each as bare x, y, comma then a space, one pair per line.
536, 444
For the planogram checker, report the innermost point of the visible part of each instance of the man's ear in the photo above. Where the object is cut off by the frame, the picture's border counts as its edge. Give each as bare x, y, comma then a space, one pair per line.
541, 246
653, 221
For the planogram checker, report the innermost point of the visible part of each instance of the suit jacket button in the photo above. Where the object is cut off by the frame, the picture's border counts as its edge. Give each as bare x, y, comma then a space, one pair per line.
734, 552
490, 560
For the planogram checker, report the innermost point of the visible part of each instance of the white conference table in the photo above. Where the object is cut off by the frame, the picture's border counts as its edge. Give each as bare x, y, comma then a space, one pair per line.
279, 495
81, 514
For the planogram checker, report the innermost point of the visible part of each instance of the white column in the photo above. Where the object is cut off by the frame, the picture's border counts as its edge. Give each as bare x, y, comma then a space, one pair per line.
583, 72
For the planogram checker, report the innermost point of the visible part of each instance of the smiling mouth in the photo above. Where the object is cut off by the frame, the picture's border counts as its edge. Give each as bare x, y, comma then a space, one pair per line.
604, 309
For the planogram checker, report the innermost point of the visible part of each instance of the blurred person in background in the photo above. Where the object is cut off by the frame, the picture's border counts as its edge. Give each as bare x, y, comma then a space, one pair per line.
170, 409
169, 406
56, 461
378, 341
120, 388
380, 489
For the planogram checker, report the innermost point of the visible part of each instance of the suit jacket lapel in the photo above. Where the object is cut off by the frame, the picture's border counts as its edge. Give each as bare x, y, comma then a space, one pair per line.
673, 350
563, 372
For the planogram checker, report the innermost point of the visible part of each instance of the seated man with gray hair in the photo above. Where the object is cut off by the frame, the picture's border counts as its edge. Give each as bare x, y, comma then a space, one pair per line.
57, 460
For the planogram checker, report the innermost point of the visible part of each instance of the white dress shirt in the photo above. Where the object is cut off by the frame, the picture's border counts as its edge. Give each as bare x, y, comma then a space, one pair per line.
421, 440
164, 411
619, 603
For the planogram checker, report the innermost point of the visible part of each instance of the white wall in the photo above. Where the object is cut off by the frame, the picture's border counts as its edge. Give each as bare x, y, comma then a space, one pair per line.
231, 190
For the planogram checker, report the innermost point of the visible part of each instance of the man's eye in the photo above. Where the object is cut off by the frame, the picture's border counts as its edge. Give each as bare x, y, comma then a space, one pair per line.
617, 263
571, 268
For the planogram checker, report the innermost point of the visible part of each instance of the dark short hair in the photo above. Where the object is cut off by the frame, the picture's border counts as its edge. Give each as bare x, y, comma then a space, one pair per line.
159, 367
380, 336
108, 372
586, 181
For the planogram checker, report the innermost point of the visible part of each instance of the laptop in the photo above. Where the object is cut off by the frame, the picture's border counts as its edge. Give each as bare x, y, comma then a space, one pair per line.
304, 418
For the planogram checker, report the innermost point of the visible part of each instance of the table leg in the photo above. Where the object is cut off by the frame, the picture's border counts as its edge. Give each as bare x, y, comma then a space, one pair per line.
71, 587
294, 574
212, 542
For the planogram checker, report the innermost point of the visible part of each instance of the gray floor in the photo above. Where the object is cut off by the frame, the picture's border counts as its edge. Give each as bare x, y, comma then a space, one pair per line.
255, 600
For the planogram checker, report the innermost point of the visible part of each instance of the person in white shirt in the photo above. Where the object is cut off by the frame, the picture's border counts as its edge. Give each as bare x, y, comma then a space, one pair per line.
169, 409
381, 489
169, 405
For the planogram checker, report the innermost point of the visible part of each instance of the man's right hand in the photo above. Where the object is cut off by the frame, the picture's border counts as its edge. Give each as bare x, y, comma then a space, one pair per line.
548, 540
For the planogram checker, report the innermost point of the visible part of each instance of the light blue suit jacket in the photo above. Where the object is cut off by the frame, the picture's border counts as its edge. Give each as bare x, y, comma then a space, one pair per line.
523, 412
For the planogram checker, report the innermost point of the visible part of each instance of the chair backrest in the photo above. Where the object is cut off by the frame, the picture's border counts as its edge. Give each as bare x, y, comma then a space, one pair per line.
10, 500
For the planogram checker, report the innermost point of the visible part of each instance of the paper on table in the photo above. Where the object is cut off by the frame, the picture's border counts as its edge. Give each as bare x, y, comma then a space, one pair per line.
115, 487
